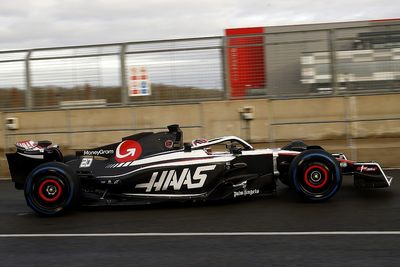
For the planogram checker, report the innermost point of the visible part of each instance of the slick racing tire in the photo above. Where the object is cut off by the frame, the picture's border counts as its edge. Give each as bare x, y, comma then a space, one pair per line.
315, 175
51, 189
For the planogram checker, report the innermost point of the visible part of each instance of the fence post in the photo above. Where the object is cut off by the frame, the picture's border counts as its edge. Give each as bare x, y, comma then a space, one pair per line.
350, 114
225, 67
124, 85
28, 87
332, 50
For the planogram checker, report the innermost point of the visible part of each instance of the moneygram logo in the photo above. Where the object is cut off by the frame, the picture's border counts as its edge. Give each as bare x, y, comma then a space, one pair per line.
98, 152
128, 150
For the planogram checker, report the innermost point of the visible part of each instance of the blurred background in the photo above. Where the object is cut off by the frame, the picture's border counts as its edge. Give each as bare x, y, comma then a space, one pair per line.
334, 84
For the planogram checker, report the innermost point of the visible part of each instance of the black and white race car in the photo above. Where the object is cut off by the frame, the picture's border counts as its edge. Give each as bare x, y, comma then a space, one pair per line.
152, 167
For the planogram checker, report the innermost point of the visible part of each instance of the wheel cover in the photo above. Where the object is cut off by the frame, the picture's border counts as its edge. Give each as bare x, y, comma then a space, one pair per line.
316, 176
50, 193
316, 179
50, 190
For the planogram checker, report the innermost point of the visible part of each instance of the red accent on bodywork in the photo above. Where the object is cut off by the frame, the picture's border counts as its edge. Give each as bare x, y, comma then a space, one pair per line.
128, 150
289, 153
346, 160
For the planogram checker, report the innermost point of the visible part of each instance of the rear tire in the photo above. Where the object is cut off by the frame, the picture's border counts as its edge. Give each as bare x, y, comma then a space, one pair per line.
51, 189
315, 175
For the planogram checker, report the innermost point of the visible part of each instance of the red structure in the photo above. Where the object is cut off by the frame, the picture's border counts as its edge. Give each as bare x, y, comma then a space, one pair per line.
246, 60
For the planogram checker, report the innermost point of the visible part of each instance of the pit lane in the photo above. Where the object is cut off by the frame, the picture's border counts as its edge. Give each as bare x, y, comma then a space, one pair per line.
351, 210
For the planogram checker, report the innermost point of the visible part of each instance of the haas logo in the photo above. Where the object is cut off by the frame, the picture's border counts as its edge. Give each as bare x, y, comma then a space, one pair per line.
165, 180
128, 150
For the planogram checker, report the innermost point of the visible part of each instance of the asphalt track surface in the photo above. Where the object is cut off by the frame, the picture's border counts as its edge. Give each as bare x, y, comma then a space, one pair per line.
279, 230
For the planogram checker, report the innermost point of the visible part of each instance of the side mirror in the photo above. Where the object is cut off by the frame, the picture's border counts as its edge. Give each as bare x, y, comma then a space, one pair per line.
234, 149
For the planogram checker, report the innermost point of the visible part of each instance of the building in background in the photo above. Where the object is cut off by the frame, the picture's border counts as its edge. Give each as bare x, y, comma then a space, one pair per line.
246, 61
314, 58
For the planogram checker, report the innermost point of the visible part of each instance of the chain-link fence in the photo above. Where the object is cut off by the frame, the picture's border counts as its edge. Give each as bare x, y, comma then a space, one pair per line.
290, 61
100, 75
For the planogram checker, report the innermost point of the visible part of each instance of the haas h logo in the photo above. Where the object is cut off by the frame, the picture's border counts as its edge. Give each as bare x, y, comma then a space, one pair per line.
170, 178
128, 150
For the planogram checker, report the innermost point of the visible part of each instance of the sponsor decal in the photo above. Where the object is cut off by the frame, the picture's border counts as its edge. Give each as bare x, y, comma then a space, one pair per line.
26, 144
86, 162
109, 181
128, 150
139, 82
366, 169
200, 141
98, 152
161, 181
169, 144
246, 192
29, 145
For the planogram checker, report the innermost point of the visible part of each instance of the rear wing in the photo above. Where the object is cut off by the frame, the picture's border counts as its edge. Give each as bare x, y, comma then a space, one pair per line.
28, 156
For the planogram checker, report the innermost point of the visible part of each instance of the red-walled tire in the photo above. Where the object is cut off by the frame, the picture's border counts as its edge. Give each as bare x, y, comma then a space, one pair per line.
51, 189
315, 175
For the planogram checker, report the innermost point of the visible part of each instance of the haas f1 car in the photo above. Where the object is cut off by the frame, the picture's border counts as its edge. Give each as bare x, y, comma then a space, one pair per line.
149, 167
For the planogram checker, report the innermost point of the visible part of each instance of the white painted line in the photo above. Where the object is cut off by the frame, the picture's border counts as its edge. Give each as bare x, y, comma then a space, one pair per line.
204, 234
5, 179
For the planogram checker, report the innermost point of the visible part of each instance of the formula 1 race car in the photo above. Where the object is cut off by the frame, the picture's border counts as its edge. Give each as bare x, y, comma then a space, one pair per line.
151, 167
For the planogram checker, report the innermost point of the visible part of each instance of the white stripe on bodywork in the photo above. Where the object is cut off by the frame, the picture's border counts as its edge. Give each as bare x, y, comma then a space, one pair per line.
126, 164
257, 152
165, 195
186, 162
178, 155
221, 140
165, 157
32, 156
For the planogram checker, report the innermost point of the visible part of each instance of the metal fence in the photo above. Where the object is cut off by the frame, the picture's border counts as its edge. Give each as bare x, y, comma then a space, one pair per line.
290, 63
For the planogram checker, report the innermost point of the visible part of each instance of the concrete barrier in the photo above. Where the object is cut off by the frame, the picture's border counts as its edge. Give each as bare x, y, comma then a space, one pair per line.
3, 162
367, 127
312, 109
2, 134
223, 118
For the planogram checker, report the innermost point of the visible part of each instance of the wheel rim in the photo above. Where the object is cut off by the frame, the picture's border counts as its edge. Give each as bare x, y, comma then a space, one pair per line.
50, 190
316, 176
50, 193
316, 180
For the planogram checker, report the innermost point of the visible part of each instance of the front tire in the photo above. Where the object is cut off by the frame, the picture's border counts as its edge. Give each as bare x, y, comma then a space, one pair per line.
315, 175
51, 189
